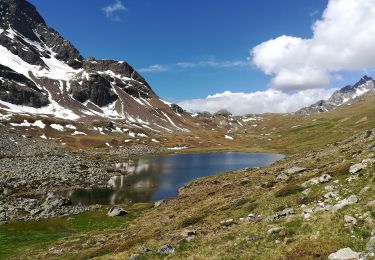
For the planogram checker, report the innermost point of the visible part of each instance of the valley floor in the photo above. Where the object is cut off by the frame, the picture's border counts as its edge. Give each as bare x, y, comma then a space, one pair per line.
306, 206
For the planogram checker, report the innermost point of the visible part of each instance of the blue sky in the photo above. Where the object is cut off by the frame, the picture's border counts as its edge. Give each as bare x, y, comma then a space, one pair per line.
215, 35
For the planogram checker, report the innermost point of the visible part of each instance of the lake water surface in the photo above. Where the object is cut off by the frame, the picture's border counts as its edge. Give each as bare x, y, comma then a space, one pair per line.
159, 177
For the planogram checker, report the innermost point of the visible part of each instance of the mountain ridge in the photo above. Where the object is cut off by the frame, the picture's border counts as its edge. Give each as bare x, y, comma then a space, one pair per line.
76, 88
343, 96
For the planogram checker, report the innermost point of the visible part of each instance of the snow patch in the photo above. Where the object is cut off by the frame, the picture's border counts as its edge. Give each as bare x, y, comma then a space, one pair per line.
178, 148
57, 127
78, 133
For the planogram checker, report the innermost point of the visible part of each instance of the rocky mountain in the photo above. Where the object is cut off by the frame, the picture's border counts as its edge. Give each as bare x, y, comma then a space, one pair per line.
344, 96
42, 73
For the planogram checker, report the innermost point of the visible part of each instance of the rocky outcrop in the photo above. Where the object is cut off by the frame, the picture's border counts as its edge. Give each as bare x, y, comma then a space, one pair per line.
117, 67
346, 95
177, 109
19, 90
96, 88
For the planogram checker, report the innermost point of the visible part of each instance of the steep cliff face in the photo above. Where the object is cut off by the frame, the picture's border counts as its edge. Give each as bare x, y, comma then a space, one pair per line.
19, 90
46, 73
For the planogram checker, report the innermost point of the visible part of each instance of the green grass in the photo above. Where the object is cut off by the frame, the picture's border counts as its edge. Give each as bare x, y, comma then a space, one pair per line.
18, 237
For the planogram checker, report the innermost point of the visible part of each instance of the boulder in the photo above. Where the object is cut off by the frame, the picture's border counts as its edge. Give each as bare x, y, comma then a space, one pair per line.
284, 213
282, 177
166, 249
227, 222
344, 254
350, 220
352, 199
325, 178
251, 217
356, 168
116, 211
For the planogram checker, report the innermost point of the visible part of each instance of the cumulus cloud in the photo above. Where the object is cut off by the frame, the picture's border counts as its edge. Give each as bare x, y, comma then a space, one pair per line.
271, 100
111, 11
200, 64
343, 40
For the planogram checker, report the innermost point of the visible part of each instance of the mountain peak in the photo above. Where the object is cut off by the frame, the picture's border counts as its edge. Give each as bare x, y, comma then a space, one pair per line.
42, 72
363, 80
345, 95
21, 16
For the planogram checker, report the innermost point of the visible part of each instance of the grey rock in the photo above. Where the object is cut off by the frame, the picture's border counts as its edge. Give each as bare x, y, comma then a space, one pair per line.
325, 178
284, 213
350, 220
251, 217
166, 249
345, 254
282, 177
356, 168
348, 201
116, 211
227, 222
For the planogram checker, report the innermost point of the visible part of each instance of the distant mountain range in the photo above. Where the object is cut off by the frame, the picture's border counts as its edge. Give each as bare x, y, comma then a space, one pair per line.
344, 96
42, 73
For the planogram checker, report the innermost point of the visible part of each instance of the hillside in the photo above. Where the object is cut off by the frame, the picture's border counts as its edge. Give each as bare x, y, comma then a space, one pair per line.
72, 128
305, 206
41, 73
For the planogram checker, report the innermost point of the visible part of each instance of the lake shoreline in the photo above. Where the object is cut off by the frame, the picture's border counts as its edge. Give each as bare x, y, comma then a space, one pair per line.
37, 177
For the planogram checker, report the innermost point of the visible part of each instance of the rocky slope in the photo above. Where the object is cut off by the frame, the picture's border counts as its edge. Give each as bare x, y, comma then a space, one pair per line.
42, 73
344, 96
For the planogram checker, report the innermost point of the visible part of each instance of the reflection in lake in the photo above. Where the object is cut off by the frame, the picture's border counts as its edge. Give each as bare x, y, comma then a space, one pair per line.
159, 177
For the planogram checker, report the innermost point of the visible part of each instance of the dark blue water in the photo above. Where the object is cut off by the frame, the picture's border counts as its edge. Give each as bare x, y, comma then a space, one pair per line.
158, 177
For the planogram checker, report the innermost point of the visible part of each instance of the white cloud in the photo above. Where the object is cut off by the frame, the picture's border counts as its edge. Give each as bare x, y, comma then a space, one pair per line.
343, 40
153, 68
111, 11
271, 100
199, 64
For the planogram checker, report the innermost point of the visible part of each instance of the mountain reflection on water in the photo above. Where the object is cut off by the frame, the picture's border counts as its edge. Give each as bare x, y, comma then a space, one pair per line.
159, 177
